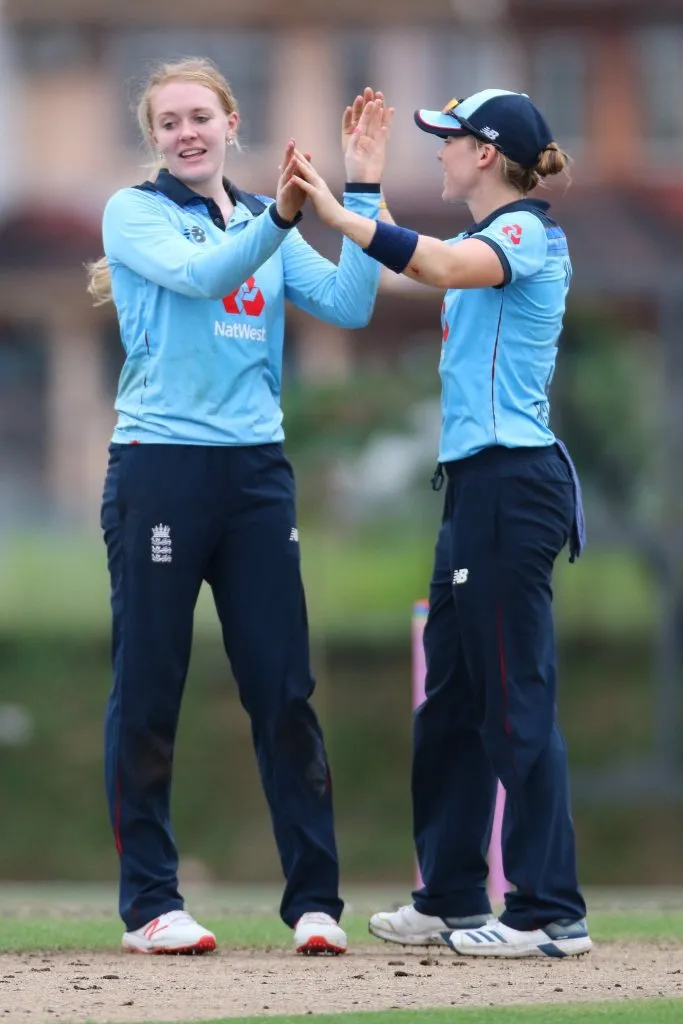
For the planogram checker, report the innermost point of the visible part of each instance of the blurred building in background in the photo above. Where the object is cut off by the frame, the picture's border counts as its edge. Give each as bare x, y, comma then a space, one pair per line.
608, 75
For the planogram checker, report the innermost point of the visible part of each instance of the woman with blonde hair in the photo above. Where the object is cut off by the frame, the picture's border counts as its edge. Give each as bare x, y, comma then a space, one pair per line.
198, 486
512, 503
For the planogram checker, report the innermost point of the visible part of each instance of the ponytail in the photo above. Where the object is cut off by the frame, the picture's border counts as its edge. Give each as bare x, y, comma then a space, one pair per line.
99, 281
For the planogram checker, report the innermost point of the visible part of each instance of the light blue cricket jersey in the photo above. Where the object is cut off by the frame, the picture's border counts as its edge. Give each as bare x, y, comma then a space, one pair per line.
499, 344
202, 309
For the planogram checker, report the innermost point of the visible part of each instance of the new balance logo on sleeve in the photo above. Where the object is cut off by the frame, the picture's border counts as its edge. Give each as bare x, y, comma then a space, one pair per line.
460, 576
195, 234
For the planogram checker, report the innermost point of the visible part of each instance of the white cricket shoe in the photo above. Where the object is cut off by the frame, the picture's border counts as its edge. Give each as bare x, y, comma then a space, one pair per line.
174, 932
559, 939
411, 928
318, 934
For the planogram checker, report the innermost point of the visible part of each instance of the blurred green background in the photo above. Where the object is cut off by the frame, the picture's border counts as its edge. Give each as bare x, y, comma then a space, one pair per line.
361, 416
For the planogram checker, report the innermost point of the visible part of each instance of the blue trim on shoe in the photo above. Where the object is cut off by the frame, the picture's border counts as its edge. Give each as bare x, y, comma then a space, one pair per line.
550, 949
564, 929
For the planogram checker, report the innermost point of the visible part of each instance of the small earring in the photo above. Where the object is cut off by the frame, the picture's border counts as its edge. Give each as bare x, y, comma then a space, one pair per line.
230, 141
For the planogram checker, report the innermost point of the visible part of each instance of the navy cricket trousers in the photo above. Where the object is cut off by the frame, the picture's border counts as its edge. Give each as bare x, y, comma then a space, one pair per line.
172, 516
490, 707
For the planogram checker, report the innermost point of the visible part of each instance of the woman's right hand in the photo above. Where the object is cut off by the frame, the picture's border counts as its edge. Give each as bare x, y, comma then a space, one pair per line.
289, 197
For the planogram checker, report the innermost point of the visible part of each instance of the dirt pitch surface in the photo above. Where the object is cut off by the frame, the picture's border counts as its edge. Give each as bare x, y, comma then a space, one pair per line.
113, 987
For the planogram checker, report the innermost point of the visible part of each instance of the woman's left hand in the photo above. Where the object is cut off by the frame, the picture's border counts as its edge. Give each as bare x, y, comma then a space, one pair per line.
368, 131
351, 116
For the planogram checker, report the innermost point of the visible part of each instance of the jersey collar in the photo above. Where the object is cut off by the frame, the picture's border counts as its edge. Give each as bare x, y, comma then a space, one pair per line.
535, 205
181, 195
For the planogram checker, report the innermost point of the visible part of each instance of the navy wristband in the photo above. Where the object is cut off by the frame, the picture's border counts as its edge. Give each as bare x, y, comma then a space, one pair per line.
279, 221
362, 186
392, 246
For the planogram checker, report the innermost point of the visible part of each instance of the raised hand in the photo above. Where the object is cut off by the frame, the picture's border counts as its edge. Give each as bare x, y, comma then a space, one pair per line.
351, 116
289, 197
365, 126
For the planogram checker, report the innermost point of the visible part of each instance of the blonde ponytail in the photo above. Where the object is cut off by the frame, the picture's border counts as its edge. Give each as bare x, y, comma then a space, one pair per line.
99, 281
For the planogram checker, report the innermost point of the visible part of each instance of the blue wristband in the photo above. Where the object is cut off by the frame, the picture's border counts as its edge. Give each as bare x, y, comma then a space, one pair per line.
392, 246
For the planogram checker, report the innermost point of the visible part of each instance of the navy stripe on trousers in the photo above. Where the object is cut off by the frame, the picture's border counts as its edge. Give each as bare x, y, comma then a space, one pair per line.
173, 516
490, 707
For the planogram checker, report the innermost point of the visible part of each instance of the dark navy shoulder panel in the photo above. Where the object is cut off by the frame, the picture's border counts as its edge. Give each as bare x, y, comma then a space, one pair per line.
539, 208
179, 193
256, 204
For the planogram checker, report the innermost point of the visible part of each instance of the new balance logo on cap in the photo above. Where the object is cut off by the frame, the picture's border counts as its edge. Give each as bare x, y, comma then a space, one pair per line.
521, 131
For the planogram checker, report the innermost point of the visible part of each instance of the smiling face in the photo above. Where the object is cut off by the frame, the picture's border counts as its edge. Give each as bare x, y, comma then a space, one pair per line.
461, 160
190, 128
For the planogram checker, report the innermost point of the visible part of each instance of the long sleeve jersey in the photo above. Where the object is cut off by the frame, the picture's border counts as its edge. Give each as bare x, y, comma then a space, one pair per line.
201, 309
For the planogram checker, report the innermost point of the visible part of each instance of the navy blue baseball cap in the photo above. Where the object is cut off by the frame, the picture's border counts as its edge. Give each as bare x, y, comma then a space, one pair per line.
507, 120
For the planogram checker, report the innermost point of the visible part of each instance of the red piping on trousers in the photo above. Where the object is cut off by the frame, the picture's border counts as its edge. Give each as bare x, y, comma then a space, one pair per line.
117, 818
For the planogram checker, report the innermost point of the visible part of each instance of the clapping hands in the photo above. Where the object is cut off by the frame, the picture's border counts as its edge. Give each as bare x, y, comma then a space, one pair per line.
289, 197
364, 133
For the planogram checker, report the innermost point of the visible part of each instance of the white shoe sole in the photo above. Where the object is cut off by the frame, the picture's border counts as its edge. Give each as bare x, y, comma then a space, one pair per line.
131, 944
318, 945
556, 949
433, 939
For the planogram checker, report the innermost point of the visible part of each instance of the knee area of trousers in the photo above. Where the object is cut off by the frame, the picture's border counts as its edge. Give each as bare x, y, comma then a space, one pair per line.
514, 765
524, 734
298, 738
147, 759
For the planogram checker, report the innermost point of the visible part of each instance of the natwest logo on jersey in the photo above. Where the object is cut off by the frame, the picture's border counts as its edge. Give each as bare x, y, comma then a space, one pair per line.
247, 300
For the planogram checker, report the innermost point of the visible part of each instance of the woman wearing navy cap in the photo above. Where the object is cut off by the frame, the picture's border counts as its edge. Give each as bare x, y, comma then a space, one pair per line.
512, 503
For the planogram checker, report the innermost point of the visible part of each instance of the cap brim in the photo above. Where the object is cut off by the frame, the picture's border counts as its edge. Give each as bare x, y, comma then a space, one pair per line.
437, 123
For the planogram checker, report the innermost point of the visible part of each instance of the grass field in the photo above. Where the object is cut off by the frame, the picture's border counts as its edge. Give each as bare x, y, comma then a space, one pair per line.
659, 1011
68, 937
70, 930
60, 585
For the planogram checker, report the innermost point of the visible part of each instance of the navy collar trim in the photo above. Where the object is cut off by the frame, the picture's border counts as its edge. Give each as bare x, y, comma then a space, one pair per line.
534, 205
179, 193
